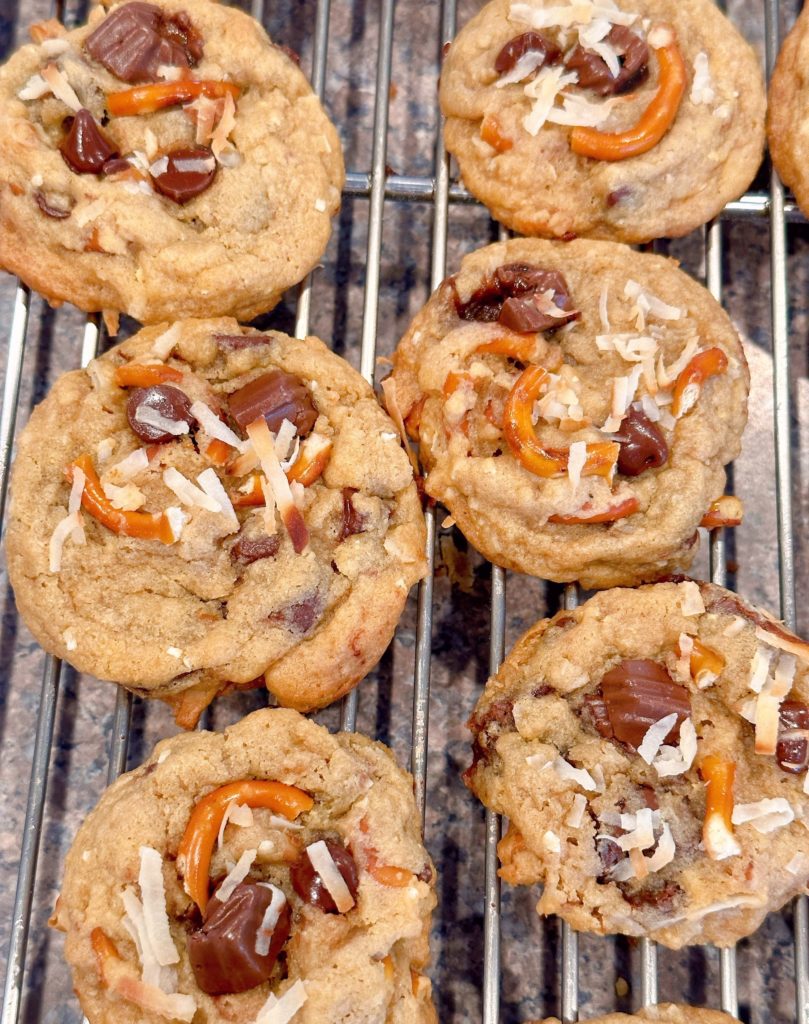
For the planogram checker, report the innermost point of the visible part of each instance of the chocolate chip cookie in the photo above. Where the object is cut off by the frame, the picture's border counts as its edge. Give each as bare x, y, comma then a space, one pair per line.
575, 405
205, 507
787, 117
271, 873
664, 1012
165, 160
650, 750
625, 121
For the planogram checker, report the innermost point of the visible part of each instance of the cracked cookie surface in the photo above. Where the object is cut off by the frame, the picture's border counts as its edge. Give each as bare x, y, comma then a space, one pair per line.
210, 559
649, 749
131, 856
575, 405
626, 121
208, 192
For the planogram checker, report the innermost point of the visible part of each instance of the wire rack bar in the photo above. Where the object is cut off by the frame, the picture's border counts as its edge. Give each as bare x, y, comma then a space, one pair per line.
11, 386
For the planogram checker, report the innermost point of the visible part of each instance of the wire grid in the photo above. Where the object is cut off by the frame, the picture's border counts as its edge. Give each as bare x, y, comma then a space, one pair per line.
378, 185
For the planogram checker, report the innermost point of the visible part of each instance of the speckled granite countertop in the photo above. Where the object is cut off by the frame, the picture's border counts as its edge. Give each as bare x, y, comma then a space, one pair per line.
454, 830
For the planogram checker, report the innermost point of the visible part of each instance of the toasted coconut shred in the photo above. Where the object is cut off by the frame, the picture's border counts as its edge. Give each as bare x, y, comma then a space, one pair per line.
153, 894
236, 814
565, 771
281, 1011
188, 493
71, 526
236, 875
764, 815
270, 919
323, 863
215, 428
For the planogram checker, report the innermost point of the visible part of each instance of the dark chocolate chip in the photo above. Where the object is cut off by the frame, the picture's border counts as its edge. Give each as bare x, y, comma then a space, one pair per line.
660, 896
593, 71
792, 752
223, 951
308, 884
86, 148
49, 208
237, 342
353, 521
618, 195
247, 550
117, 165
135, 39
277, 396
170, 402
643, 445
486, 726
529, 42
300, 617
184, 173
507, 298
632, 697
426, 874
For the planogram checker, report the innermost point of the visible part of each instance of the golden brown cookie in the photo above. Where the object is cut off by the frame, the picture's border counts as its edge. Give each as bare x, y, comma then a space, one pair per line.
665, 1012
272, 862
165, 160
787, 117
650, 751
625, 121
205, 505
575, 405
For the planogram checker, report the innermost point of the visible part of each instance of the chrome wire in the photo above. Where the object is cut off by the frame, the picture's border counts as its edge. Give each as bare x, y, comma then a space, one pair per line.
11, 386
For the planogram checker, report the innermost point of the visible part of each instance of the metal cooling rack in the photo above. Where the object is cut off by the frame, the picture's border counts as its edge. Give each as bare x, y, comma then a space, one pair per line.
379, 186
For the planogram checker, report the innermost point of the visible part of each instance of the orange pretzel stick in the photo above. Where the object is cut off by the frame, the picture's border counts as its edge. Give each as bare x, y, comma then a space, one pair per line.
313, 459
521, 349
706, 664
145, 525
196, 846
530, 452
688, 385
146, 99
218, 452
609, 515
144, 375
655, 120
717, 828
725, 511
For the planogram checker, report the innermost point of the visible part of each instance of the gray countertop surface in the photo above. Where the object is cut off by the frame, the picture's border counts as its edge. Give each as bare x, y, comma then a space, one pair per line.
455, 824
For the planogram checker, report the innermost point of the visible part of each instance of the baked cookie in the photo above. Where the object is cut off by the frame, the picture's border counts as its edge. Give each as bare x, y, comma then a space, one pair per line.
165, 160
664, 1012
204, 506
271, 873
650, 751
788, 111
626, 121
575, 405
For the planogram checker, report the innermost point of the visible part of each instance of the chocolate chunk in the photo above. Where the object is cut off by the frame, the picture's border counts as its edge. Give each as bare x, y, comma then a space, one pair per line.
184, 173
49, 208
632, 697
426, 874
507, 297
661, 896
792, 752
117, 165
135, 39
609, 853
223, 951
308, 884
86, 148
593, 71
300, 617
170, 402
353, 521
247, 550
236, 342
486, 727
529, 42
643, 445
277, 396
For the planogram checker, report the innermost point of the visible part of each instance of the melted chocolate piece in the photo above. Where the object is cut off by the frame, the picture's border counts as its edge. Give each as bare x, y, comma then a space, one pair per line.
117, 165
308, 884
188, 172
609, 853
170, 402
48, 208
247, 550
86, 148
277, 396
236, 342
300, 617
593, 71
792, 752
529, 42
223, 951
486, 727
632, 697
506, 297
661, 896
643, 445
136, 38
353, 521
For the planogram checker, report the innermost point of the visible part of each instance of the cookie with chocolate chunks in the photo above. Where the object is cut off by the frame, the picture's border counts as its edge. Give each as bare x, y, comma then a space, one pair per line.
219, 508
663, 1013
625, 121
650, 749
181, 895
575, 405
164, 160
787, 117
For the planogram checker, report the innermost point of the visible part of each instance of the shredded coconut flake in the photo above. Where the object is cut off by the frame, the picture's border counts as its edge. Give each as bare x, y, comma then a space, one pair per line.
236, 875
153, 895
691, 602
760, 668
227, 122
764, 815
215, 428
567, 772
576, 814
164, 344
543, 90
654, 736
677, 760
188, 493
577, 457
63, 529
213, 488
281, 1011
152, 418
60, 87
323, 863
702, 90
551, 842
270, 919
795, 646
735, 627
128, 468
578, 12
